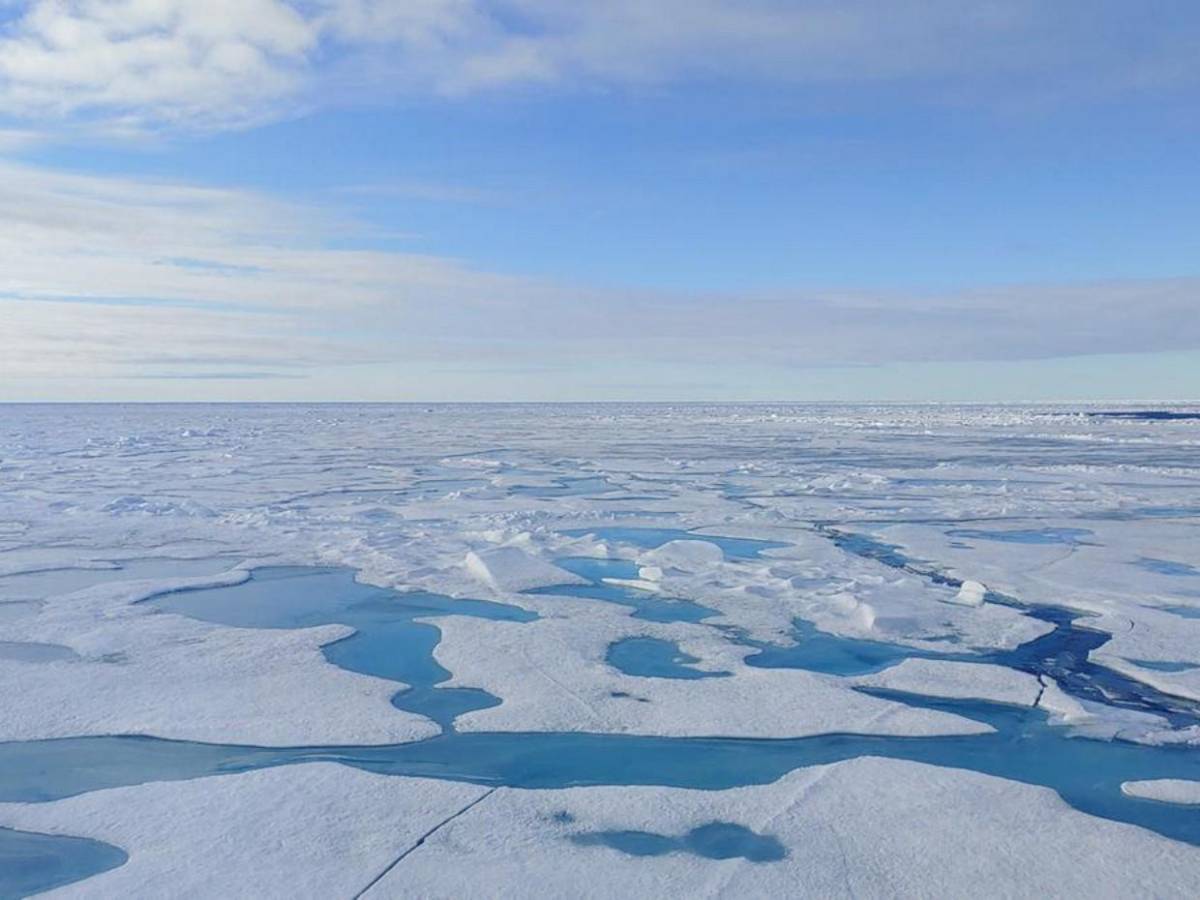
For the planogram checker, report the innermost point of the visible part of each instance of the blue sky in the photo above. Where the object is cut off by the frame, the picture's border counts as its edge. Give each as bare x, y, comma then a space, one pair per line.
457, 199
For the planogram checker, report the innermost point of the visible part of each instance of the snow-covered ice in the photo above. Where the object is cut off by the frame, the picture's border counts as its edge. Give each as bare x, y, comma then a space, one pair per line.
865, 828
985, 578
1165, 790
979, 681
553, 677
136, 671
319, 830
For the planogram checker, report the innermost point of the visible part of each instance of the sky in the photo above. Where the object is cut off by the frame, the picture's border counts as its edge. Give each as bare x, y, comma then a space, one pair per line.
440, 200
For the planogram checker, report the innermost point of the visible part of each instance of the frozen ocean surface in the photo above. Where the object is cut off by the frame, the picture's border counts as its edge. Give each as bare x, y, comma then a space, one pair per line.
822, 650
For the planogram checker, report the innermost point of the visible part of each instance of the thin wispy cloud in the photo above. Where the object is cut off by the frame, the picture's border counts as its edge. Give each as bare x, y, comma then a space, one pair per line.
111, 275
130, 65
229, 271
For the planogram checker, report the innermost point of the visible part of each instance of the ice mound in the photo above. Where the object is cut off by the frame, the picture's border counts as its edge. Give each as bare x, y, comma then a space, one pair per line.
510, 569
970, 594
1061, 706
650, 573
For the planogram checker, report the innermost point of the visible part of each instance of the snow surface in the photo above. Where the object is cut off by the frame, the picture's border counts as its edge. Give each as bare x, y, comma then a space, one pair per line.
1043, 505
1165, 790
322, 830
863, 828
317, 830
553, 677
959, 680
144, 672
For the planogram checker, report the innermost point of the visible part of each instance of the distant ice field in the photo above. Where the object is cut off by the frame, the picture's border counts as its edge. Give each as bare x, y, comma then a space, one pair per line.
668, 645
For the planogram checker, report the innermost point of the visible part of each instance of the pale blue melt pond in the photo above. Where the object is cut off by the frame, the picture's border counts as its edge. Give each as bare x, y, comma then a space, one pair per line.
32, 863
716, 840
646, 604
650, 538
647, 657
597, 569
1025, 535
565, 487
1087, 773
21, 651
387, 643
1167, 567
831, 654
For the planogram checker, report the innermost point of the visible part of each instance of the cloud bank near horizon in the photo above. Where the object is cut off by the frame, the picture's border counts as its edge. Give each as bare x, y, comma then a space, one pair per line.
107, 275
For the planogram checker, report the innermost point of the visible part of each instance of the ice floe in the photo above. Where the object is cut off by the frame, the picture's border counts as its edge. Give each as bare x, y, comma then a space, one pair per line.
864, 828
894, 572
318, 830
1165, 790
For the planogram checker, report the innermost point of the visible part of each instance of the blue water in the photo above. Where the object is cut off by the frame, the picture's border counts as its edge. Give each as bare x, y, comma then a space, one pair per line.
1061, 654
33, 863
830, 654
1167, 567
597, 569
387, 643
1066, 536
1023, 747
35, 653
870, 548
566, 487
650, 538
1087, 774
716, 840
647, 605
654, 658
1148, 415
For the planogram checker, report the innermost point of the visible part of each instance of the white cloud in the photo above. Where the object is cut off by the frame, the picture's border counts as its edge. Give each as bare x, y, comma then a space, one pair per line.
111, 276
195, 64
135, 64
15, 140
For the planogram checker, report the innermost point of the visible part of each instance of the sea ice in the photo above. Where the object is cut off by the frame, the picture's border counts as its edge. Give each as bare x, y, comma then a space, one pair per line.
864, 828
140, 671
884, 525
1165, 790
317, 830
958, 680
553, 676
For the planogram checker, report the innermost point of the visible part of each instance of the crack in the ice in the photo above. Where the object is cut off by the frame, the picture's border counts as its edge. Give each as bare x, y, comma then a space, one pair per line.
1141, 695
422, 839
1037, 701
